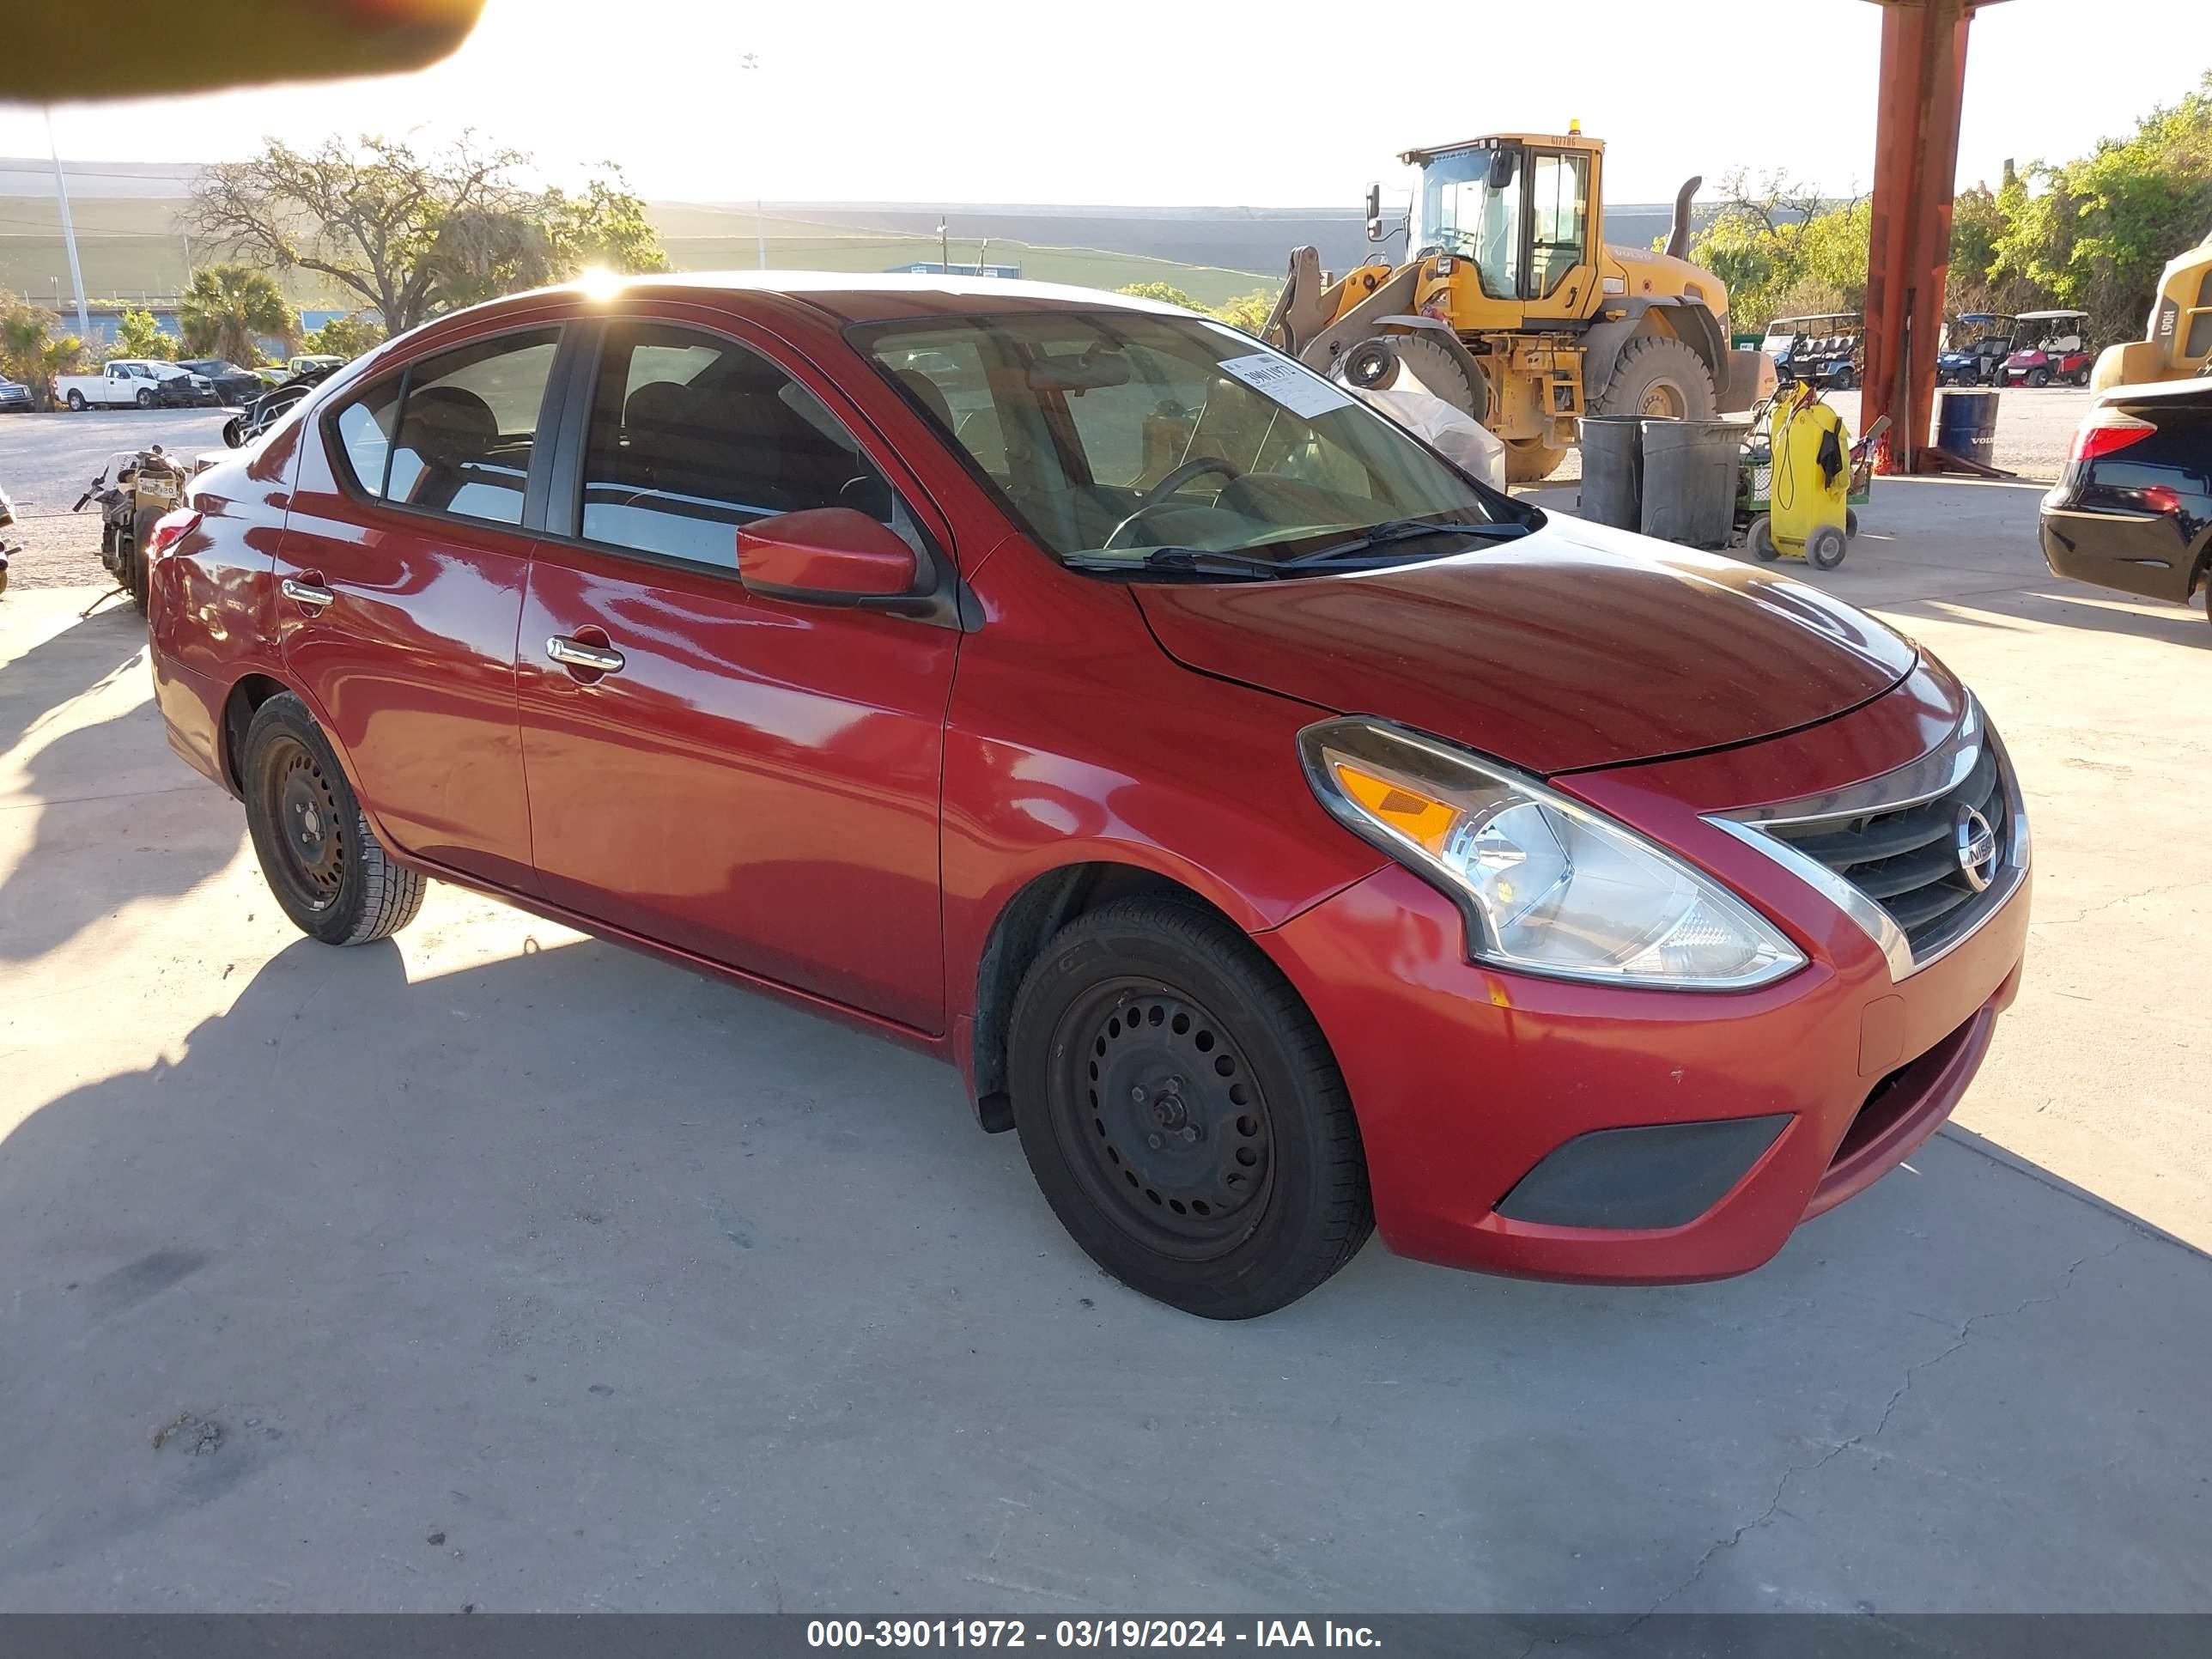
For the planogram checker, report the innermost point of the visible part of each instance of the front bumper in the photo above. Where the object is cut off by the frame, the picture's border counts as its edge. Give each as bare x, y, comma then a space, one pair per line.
1785, 1101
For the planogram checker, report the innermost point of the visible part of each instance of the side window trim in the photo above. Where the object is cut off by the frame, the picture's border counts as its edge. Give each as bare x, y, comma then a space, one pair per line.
549, 414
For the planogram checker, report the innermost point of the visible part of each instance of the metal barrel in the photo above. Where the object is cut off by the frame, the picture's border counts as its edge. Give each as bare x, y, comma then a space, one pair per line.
1613, 471
1966, 423
1691, 469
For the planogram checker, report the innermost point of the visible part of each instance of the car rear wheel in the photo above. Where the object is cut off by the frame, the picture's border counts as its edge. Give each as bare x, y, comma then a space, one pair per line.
76, 400
1182, 1114
322, 862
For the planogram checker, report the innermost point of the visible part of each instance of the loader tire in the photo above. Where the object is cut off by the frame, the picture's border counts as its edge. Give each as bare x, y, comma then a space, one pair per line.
1530, 460
1441, 372
1660, 378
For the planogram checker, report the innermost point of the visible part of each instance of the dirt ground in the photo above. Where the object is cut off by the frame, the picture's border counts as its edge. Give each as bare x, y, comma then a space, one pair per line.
494, 1266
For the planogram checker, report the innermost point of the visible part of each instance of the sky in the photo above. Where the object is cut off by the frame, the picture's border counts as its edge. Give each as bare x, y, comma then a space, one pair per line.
1285, 104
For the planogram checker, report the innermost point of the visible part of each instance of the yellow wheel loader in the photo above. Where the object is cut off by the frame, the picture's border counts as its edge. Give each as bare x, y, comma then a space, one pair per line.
2178, 343
1512, 306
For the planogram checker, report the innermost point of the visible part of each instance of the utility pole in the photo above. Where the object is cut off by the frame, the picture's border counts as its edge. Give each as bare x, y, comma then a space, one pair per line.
943, 248
68, 232
752, 61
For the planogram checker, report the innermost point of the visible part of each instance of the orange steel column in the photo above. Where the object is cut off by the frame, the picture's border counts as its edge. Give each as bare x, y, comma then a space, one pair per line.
1924, 73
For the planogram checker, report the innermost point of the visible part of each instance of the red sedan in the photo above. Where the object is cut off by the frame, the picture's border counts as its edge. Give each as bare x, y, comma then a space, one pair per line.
1286, 834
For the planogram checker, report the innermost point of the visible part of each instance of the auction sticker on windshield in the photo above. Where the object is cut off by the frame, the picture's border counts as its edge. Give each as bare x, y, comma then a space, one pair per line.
1302, 393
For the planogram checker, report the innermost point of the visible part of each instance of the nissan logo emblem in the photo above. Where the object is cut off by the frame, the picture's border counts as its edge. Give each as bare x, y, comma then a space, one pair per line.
1975, 844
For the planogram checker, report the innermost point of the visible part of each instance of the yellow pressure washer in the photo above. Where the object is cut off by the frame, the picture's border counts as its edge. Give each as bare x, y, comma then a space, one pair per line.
1801, 476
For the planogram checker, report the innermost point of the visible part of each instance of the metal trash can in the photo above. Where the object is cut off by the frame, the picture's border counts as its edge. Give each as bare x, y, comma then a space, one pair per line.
1966, 423
1691, 470
1613, 471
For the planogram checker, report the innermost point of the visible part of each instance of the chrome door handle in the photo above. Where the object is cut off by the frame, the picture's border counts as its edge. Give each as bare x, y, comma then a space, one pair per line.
576, 654
309, 594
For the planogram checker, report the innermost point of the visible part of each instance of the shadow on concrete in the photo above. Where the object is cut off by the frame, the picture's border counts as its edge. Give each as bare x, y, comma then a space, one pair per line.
571, 1280
95, 844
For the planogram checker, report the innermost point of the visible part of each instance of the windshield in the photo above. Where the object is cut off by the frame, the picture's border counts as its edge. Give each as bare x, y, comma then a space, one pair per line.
1462, 213
1113, 434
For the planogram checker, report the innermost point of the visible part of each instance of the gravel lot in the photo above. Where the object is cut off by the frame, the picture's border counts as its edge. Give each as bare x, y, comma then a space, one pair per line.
45, 460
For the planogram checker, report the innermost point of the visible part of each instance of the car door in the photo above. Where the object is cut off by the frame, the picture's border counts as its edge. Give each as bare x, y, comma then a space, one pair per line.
752, 779
400, 577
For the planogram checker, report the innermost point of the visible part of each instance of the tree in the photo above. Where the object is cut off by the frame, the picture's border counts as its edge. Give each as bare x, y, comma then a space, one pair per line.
30, 350
342, 337
1248, 312
2094, 231
137, 335
1166, 293
1782, 249
409, 233
226, 306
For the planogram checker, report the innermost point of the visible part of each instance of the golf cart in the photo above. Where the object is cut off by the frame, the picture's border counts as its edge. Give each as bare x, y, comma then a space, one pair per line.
1823, 350
1980, 342
2047, 346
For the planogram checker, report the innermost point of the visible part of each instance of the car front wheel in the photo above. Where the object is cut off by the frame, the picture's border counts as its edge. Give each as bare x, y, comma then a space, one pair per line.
328, 873
1183, 1112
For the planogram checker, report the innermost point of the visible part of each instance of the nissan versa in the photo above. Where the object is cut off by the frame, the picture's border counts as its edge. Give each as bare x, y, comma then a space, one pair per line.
1285, 833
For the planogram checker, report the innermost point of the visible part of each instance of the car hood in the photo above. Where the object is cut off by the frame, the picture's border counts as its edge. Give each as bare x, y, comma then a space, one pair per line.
1575, 647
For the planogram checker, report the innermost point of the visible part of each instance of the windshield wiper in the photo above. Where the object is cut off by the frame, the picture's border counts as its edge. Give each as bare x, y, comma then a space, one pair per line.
1180, 561
1399, 530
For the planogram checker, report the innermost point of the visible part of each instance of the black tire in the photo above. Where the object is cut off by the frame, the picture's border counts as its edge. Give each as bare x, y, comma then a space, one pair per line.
145, 398
1531, 460
2038, 378
1826, 547
142, 532
1761, 539
1655, 369
232, 435
320, 857
1443, 372
76, 401
1843, 380
1212, 1162
1851, 524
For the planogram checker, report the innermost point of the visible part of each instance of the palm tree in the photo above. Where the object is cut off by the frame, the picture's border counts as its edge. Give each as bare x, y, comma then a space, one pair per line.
224, 307
29, 349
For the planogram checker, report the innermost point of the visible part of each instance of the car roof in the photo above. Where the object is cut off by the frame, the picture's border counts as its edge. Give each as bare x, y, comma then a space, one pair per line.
858, 297
2045, 316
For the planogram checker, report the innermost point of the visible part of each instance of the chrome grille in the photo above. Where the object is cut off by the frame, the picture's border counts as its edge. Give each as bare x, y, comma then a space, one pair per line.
1906, 860
1888, 851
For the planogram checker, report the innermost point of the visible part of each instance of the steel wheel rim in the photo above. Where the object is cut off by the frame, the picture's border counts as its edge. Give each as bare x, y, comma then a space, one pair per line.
1163, 1119
302, 806
1663, 402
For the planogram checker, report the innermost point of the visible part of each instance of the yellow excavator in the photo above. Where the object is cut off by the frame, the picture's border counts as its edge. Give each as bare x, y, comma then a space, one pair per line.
1512, 306
2178, 342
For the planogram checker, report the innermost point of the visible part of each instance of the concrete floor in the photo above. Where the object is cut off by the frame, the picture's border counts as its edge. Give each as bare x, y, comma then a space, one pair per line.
632, 1291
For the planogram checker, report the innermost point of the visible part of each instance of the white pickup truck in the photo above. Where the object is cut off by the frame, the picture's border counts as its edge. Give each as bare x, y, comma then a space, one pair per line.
134, 381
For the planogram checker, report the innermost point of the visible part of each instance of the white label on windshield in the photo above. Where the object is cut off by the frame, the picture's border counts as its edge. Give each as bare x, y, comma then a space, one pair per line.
1294, 388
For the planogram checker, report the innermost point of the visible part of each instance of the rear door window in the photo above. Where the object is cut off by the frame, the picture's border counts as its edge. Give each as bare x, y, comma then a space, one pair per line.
468, 422
693, 436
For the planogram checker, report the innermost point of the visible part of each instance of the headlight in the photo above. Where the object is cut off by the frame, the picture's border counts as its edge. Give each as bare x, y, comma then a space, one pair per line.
1548, 885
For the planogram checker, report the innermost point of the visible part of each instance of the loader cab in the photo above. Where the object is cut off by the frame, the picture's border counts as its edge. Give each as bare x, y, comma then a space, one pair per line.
1513, 220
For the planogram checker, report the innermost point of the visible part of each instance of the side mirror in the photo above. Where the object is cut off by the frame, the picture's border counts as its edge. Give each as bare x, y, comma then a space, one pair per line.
1503, 164
825, 555
1374, 232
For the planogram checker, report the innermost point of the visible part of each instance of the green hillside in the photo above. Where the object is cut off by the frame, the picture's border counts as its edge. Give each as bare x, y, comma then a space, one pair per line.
133, 246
